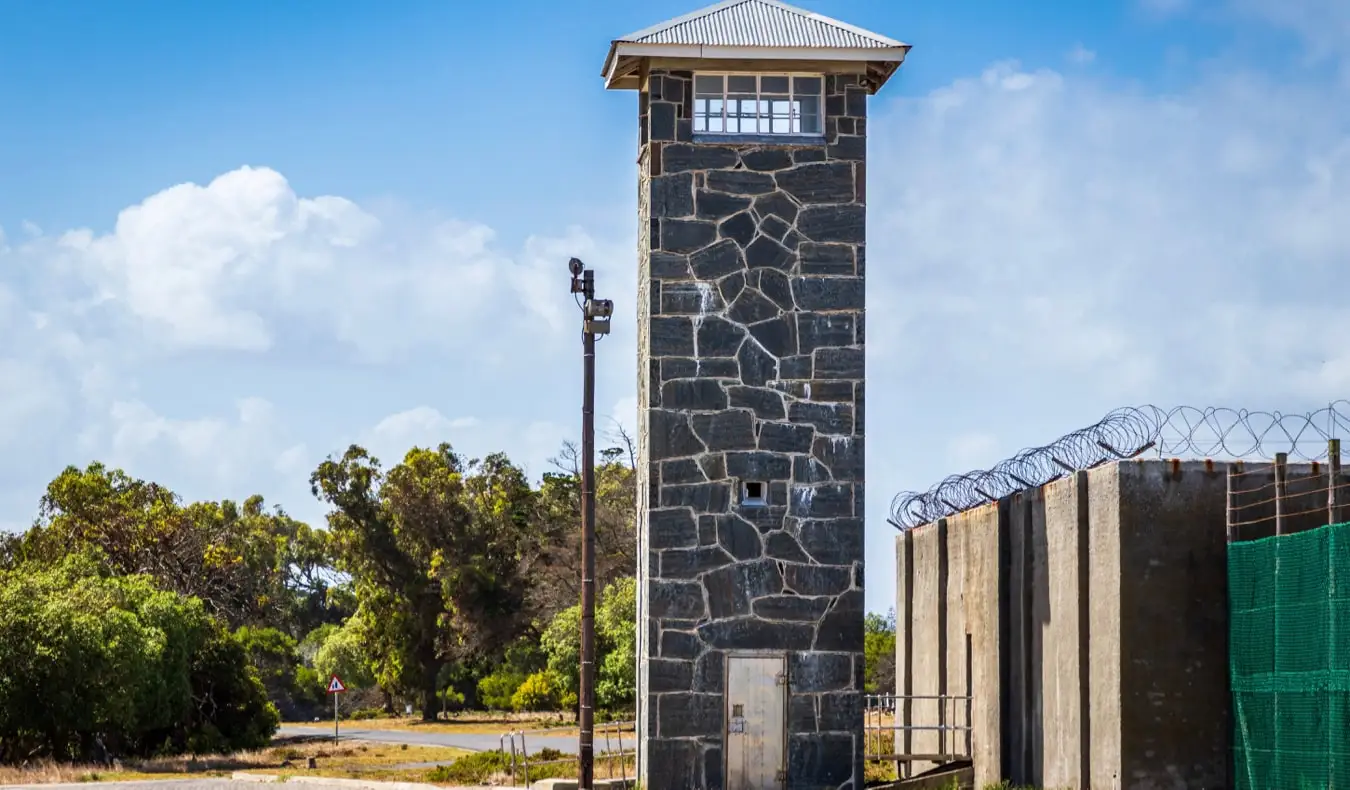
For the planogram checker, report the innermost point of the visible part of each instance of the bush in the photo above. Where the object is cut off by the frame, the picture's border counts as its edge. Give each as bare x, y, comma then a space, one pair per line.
84, 656
539, 692
496, 691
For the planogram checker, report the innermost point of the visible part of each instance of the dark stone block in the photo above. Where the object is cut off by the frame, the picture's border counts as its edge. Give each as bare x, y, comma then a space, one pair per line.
687, 715
671, 336
817, 579
709, 675
817, 760
689, 298
817, 672
671, 529
777, 204
673, 763
841, 711
669, 675
802, 714
707, 530
678, 368
702, 497
839, 363
675, 599
684, 470
791, 607
718, 368
794, 368
679, 158
718, 205
775, 285
669, 266
827, 182
856, 104
782, 546
673, 195
774, 228
843, 223
739, 538
858, 575
687, 235
767, 519
765, 253
694, 395
671, 436
732, 589
822, 501
762, 466
804, 156
740, 182
861, 269
824, 391
730, 286
835, 542
713, 464
679, 644
777, 437
833, 259
692, 563
829, 293
767, 404
767, 159
848, 125
792, 241
834, 418
751, 633
672, 89
661, 117
809, 470
843, 455
740, 228
859, 671
751, 307
718, 337
757, 366
716, 261
848, 148
778, 335
733, 429
842, 627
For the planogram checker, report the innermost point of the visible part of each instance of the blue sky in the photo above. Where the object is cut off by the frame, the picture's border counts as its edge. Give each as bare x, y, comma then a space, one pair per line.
237, 236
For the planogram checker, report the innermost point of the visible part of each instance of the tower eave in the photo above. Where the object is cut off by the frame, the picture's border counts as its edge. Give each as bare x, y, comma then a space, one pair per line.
624, 65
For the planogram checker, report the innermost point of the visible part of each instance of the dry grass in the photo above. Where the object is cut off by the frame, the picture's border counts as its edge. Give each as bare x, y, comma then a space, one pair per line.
345, 760
469, 723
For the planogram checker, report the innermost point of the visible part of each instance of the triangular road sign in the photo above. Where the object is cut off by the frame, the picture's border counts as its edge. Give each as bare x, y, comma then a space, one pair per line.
335, 685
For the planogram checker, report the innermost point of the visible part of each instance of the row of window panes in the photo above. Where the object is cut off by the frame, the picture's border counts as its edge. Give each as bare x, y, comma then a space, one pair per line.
757, 104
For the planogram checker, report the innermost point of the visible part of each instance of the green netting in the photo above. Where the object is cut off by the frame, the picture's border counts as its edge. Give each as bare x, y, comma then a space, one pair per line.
1289, 659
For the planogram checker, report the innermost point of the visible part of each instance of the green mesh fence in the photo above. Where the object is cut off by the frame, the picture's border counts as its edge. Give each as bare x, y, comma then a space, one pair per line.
1289, 658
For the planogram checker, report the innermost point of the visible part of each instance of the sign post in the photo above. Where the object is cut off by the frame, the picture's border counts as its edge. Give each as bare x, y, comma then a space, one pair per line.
335, 688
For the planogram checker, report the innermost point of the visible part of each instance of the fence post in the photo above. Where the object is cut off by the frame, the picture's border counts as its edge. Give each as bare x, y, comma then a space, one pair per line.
1281, 492
1333, 481
1230, 509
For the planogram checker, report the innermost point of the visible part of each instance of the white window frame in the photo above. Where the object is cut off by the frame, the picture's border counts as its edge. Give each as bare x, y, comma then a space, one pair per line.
794, 116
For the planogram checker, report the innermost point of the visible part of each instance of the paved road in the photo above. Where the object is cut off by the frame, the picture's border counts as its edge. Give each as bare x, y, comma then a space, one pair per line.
477, 742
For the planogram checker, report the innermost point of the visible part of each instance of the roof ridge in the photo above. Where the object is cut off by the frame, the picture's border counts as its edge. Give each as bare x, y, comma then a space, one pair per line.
803, 13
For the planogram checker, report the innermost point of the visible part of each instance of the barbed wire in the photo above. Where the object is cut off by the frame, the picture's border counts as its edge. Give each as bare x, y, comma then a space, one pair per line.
1183, 431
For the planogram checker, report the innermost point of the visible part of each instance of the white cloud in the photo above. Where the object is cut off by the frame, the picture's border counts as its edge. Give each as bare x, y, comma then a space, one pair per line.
1081, 55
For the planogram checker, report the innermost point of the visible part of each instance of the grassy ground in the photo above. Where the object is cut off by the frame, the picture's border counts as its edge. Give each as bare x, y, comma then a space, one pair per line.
286, 756
472, 723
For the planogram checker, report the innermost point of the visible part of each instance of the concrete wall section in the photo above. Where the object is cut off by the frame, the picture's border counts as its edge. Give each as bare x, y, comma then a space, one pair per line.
1104, 603
1174, 691
974, 642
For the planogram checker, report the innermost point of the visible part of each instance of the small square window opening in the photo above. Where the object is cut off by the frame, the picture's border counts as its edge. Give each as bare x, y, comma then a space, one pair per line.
754, 493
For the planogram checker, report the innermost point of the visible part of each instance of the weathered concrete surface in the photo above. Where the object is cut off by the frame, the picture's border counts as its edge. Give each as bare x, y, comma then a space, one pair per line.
1096, 608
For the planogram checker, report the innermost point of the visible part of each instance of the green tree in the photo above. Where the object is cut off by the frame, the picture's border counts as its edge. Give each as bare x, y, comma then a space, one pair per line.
879, 653
343, 653
437, 547
615, 642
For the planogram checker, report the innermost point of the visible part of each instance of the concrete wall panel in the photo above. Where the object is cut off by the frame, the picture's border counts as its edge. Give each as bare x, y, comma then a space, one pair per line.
1104, 580
981, 533
927, 660
1062, 710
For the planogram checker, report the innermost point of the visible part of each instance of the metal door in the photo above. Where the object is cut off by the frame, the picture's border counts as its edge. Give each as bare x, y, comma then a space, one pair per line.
756, 721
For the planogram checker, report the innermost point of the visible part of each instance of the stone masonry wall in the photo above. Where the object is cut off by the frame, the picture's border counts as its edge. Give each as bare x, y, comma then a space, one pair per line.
751, 325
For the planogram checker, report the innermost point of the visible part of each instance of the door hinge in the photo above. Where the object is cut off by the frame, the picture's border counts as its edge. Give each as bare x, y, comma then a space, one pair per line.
781, 776
781, 679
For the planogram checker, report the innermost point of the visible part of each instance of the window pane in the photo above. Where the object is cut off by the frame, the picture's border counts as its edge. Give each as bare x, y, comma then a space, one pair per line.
806, 85
781, 125
809, 108
810, 124
700, 123
700, 106
741, 85
773, 84
781, 106
706, 85
715, 123
715, 106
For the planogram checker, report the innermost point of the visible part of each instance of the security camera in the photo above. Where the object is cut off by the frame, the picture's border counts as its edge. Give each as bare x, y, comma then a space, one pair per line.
575, 266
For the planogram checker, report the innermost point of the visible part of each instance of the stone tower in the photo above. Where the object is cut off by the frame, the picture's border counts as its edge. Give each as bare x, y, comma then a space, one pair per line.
751, 203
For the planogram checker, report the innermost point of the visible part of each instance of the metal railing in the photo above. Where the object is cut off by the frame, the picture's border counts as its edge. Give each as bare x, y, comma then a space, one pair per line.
514, 745
889, 729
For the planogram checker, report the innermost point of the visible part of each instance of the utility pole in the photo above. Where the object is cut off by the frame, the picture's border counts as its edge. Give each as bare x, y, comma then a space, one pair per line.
595, 321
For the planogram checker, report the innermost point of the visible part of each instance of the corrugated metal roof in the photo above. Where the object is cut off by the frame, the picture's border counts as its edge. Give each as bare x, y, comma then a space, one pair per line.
759, 23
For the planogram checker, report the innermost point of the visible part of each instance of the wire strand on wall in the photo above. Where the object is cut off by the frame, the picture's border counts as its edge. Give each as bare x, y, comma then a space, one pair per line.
1183, 431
